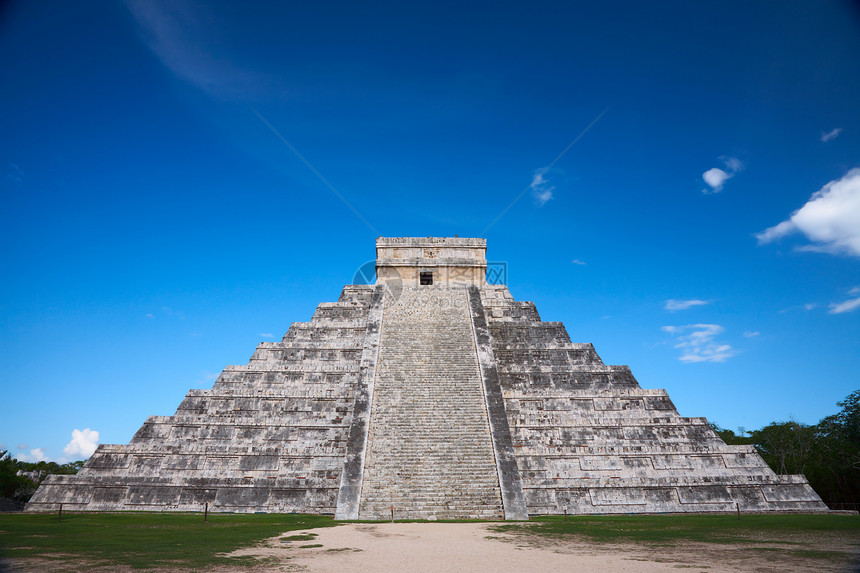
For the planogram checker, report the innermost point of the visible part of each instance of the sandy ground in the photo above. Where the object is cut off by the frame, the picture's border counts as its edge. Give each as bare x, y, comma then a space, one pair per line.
474, 547
437, 547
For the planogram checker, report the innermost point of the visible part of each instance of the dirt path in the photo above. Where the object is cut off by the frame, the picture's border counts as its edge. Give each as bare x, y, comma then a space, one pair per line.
474, 547
436, 547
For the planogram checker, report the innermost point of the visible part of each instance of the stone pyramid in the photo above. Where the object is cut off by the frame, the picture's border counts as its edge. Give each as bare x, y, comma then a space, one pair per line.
428, 394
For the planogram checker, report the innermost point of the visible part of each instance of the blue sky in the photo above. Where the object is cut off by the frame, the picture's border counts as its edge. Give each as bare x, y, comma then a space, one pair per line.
155, 225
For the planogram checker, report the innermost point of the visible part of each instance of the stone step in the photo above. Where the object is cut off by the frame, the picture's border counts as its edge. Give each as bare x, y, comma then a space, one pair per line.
429, 449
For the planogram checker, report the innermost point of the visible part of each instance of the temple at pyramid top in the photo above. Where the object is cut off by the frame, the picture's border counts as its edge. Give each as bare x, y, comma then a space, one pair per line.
430, 394
446, 261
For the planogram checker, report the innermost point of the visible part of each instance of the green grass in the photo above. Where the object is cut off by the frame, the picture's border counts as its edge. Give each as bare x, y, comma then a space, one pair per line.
663, 529
143, 540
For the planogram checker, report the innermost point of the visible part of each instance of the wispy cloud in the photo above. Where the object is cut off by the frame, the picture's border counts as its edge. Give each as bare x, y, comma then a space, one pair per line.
82, 445
267, 335
716, 177
697, 343
673, 305
807, 307
166, 311
751, 333
832, 134
207, 378
550, 166
847, 305
184, 36
542, 189
830, 219
14, 173
578, 262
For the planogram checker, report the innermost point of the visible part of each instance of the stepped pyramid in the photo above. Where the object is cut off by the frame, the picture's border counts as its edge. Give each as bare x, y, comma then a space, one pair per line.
428, 394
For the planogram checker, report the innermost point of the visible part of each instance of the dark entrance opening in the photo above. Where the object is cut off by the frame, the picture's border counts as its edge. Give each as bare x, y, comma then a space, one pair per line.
426, 278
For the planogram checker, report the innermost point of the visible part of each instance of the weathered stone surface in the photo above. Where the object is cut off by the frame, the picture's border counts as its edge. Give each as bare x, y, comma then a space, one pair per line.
349, 493
448, 399
430, 451
510, 483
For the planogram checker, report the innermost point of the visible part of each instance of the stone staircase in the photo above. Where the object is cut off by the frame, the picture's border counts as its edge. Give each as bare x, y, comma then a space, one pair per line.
429, 451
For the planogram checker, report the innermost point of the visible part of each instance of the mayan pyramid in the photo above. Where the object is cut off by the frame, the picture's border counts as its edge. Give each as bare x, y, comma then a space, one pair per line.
430, 394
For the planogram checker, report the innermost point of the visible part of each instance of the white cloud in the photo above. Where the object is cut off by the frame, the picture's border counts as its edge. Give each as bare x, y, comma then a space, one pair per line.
832, 134
775, 232
716, 177
267, 335
578, 262
830, 219
751, 333
541, 188
35, 455
848, 305
845, 306
83, 444
672, 304
697, 343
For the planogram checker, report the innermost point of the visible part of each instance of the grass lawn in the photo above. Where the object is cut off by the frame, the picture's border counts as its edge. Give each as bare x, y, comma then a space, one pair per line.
697, 528
142, 540
831, 538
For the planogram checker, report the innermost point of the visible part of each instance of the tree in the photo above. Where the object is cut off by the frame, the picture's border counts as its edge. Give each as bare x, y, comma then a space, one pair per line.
16, 487
828, 453
787, 447
730, 437
20, 488
849, 418
839, 443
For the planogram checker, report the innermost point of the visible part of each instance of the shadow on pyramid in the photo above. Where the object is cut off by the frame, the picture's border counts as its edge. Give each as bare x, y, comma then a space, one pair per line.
429, 394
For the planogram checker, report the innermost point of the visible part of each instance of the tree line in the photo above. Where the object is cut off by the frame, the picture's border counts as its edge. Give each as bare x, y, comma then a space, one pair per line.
827, 453
19, 480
